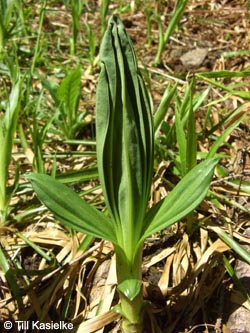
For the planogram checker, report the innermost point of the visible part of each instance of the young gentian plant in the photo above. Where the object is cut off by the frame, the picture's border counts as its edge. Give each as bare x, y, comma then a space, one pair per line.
8, 122
125, 154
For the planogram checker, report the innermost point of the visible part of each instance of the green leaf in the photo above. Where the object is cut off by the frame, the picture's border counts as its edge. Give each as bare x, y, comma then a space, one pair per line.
239, 114
130, 288
124, 135
163, 107
68, 94
237, 281
199, 99
11, 278
7, 131
184, 198
69, 90
36, 247
51, 86
232, 243
224, 74
182, 142
191, 150
228, 88
164, 37
78, 175
239, 184
70, 209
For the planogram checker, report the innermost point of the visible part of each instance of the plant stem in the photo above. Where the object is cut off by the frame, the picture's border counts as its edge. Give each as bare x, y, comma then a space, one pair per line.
133, 322
131, 308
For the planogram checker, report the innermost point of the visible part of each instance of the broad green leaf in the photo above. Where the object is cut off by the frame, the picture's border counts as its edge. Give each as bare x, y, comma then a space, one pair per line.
70, 209
124, 133
69, 95
69, 90
184, 198
130, 288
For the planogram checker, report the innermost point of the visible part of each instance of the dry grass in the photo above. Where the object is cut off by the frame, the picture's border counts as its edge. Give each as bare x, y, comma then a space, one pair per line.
185, 278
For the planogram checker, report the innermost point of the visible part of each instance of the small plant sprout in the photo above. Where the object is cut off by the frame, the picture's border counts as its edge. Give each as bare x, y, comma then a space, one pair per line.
8, 26
8, 122
68, 98
104, 10
125, 155
76, 10
92, 43
164, 37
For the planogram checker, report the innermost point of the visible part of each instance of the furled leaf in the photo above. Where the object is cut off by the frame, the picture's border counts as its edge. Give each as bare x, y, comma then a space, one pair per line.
191, 152
182, 142
70, 209
184, 198
124, 134
7, 131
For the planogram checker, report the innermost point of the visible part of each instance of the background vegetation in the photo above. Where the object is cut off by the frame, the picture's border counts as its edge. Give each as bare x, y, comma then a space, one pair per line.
194, 57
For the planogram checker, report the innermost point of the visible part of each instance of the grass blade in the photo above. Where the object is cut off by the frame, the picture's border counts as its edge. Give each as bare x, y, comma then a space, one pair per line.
239, 116
233, 244
179, 9
163, 107
6, 269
